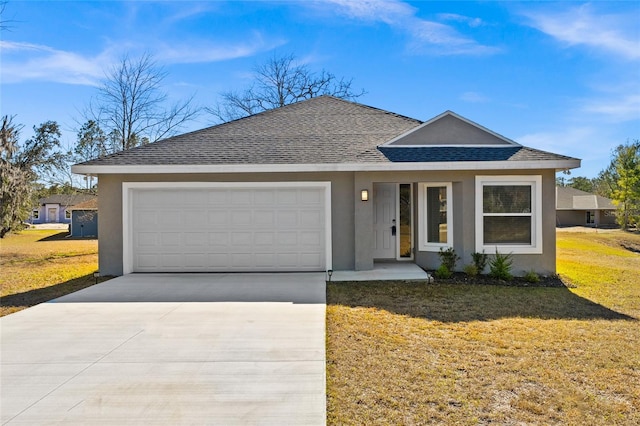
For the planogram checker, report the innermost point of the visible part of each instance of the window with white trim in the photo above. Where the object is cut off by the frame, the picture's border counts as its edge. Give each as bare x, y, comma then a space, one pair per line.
436, 216
36, 214
67, 214
509, 214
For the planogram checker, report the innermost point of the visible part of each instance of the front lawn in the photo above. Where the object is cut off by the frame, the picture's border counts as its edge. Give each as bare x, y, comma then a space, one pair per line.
460, 354
40, 265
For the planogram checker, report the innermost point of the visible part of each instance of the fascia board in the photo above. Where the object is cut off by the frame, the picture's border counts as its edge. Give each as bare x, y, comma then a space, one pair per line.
335, 167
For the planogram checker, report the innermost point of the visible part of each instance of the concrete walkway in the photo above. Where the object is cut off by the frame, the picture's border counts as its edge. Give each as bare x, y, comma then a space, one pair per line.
170, 349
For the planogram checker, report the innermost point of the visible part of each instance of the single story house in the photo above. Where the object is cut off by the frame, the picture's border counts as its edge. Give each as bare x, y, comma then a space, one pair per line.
55, 208
325, 184
579, 208
84, 219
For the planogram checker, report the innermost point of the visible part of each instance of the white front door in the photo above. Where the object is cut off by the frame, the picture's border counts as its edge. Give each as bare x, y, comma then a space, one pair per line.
384, 220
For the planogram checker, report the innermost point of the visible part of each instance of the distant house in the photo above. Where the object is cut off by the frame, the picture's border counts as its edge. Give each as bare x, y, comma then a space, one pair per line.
84, 219
55, 208
579, 208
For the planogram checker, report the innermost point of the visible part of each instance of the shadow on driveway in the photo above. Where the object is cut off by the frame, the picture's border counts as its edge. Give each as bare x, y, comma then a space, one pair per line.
303, 288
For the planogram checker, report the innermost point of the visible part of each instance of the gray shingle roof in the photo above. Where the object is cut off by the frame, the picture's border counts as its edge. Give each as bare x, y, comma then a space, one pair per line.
568, 198
66, 200
322, 130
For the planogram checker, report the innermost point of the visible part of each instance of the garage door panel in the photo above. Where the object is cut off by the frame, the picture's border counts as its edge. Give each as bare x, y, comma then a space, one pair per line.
217, 218
228, 229
242, 218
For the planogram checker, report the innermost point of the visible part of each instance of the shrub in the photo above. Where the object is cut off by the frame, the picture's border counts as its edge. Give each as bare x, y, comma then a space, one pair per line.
531, 277
443, 272
480, 261
448, 258
500, 266
471, 270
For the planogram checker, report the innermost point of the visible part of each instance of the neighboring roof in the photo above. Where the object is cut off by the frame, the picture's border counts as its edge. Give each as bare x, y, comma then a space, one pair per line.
66, 200
568, 198
322, 133
87, 205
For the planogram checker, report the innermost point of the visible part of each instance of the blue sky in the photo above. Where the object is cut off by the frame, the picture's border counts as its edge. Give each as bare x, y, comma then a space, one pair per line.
562, 77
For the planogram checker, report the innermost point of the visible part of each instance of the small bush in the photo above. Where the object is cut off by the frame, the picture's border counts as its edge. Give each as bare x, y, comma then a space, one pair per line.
480, 261
500, 266
471, 270
443, 272
448, 258
531, 277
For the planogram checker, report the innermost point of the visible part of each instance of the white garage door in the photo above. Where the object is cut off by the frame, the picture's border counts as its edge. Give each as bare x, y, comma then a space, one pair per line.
245, 227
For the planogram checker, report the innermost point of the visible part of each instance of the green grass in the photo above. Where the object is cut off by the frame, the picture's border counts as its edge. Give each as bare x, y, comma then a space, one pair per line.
40, 265
402, 353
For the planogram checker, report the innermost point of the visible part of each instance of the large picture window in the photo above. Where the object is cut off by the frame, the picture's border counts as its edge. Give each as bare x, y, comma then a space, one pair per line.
436, 216
509, 214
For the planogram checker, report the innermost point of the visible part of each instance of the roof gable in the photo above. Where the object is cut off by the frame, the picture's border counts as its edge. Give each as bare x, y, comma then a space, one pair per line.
450, 129
568, 198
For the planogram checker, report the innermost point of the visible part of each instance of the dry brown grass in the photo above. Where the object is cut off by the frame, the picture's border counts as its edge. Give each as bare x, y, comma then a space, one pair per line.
40, 265
454, 354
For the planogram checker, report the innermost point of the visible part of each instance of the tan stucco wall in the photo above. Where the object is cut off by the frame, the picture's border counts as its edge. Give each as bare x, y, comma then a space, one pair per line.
110, 207
350, 215
463, 217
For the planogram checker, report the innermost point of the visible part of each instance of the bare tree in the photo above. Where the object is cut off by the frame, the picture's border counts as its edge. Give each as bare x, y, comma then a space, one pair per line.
4, 22
278, 82
132, 108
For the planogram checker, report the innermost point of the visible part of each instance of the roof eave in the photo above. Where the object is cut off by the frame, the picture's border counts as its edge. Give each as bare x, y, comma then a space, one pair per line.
558, 165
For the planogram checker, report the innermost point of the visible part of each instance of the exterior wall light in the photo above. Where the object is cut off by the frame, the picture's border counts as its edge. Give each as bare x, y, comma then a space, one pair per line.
364, 195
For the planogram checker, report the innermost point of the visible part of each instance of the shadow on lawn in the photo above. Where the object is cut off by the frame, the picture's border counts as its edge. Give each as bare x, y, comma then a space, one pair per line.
64, 236
459, 303
14, 302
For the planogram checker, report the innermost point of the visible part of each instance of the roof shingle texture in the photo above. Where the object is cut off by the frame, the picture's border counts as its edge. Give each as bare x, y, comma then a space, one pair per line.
322, 130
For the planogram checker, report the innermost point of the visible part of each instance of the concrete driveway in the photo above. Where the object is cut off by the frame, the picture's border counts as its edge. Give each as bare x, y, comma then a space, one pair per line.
170, 349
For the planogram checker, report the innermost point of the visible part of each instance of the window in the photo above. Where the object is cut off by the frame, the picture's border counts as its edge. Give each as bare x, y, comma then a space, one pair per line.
436, 216
591, 217
67, 214
509, 214
36, 214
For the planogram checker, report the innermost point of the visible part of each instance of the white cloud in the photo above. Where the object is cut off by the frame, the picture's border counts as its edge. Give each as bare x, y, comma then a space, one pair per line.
474, 97
472, 22
582, 25
202, 52
26, 61
390, 12
426, 36
567, 141
618, 109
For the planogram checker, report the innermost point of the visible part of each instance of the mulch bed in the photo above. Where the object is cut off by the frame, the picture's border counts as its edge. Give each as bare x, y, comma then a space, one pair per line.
462, 278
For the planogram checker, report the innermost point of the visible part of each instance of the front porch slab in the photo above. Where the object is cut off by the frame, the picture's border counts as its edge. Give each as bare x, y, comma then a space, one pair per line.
384, 271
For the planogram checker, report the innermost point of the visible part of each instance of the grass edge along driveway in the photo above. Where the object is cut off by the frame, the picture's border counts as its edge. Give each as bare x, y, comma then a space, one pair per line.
41, 265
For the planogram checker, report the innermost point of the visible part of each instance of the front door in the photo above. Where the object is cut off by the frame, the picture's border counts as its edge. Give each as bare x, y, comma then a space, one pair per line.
384, 221
52, 214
